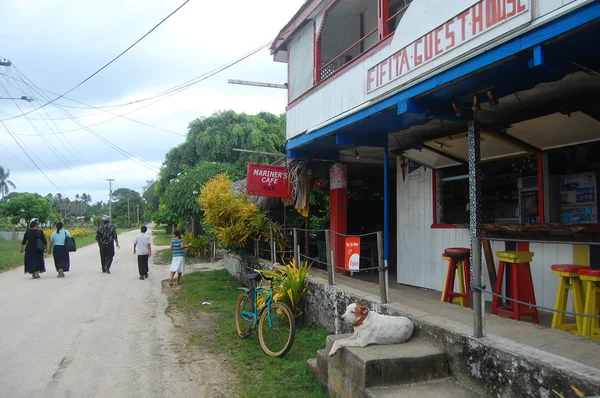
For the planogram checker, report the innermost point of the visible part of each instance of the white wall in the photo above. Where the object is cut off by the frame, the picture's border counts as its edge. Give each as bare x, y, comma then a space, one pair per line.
301, 62
330, 100
420, 247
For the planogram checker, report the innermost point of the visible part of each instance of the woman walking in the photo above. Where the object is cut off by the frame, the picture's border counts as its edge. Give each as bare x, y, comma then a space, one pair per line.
61, 254
34, 254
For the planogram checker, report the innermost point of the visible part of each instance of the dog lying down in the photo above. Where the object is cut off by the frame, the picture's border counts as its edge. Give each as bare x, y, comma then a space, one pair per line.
373, 328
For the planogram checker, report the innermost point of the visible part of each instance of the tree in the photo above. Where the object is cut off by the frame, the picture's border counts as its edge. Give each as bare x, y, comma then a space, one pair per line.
27, 206
150, 198
5, 183
120, 205
181, 195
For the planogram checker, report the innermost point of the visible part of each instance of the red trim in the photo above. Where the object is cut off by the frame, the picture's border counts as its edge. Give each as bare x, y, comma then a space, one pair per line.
434, 195
540, 177
360, 41
297, 20
354, 62
447, 226
383, 14
523, 246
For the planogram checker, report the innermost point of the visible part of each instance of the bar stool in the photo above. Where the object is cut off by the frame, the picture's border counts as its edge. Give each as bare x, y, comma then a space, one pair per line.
590, 325
458, 261
568, 279
521, 285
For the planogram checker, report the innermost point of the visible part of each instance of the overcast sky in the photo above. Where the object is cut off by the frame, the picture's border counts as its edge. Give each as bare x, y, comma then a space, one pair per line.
58, 43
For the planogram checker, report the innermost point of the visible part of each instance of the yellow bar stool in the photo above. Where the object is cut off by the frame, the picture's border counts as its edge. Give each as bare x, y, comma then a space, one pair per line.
590, 277
458, 262
568, 280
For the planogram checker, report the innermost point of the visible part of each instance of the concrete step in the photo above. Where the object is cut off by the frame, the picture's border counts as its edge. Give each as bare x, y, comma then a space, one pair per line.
353, 369
441, 388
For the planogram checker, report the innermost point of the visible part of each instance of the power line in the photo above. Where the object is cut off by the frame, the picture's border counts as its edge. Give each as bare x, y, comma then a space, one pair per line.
102, 68
55, 150
32, 161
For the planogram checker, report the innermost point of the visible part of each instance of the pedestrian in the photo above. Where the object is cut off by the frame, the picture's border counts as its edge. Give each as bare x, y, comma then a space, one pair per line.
34, 253
178, 263
62, 261
142, 246
106, 235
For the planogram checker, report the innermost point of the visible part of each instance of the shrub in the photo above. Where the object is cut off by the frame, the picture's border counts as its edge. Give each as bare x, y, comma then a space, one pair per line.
290, 283
200, 245
74, 232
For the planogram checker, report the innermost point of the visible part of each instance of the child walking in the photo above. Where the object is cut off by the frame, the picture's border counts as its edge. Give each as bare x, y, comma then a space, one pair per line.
178, 262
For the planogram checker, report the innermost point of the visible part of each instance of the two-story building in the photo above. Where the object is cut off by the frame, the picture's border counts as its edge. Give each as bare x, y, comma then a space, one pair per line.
501, 93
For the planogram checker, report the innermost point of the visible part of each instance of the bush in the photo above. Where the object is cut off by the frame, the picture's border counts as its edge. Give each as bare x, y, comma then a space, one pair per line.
290, 283
200, 245
74, 232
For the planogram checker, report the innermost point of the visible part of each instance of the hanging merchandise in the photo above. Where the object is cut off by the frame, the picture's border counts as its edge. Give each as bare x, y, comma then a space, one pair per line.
303, 193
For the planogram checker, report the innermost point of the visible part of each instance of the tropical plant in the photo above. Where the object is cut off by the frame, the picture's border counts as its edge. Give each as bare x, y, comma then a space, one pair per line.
26, 206
5, 183
198, 246
290, 283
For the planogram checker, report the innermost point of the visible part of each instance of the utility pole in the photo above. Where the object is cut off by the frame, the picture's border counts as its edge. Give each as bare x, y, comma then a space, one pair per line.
138, 213
128, 218
110, 180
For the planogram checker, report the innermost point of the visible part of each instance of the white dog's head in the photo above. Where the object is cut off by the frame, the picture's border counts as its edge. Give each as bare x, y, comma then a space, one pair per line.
354, 312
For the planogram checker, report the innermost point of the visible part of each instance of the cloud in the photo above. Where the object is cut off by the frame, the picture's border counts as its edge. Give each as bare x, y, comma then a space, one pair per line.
66, 40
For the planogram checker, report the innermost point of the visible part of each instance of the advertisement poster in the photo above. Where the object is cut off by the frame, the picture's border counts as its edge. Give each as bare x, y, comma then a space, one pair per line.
352, 257
268, 180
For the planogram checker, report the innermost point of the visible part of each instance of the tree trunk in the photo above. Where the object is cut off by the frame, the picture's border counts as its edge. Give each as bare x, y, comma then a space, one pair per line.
195, 229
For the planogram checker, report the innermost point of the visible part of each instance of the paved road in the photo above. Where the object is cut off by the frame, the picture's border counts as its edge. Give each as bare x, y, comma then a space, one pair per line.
89, 334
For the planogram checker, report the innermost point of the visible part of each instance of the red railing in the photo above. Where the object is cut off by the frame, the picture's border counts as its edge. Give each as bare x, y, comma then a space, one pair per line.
329, 68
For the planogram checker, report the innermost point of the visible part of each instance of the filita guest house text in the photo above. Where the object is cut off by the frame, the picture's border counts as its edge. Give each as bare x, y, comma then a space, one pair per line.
466, 26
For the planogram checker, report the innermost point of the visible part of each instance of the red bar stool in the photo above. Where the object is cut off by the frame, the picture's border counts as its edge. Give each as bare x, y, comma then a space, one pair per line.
458, 261
568, 280
590, 277
521, 285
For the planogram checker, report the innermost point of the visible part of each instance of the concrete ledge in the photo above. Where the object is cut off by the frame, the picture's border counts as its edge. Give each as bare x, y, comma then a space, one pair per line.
432, 389
493, 365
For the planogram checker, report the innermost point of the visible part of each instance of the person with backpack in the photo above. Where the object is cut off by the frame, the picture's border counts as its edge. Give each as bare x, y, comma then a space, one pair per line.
61, 256
34, 245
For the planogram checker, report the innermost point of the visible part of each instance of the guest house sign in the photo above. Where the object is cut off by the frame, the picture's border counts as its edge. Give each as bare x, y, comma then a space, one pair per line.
268, 180
471, 24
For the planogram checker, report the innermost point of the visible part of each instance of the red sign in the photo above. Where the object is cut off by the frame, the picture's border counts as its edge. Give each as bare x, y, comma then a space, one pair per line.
352, 253
471, 23
267, 180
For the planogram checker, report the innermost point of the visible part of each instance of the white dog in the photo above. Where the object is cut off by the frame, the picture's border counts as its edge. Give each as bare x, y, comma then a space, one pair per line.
373, 328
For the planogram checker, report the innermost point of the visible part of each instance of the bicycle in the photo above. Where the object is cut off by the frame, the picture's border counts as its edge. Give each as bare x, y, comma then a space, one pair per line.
276, 325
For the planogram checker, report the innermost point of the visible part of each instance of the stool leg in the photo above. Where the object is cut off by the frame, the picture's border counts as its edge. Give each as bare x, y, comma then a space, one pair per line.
531, 292
577, 288
558, 318
467, 269
590, 303
514, 291
461, 282
498, 288
449, 285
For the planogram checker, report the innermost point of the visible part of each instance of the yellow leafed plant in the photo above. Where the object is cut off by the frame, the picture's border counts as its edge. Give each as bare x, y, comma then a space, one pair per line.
290, 283
74, 232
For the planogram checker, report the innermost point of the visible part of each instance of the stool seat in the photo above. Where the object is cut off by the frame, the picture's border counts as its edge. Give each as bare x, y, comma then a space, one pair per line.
586, 271
566, 268
515, 257
457, 252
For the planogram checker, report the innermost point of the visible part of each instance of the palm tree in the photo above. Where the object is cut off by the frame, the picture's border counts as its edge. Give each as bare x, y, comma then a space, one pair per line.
5, 182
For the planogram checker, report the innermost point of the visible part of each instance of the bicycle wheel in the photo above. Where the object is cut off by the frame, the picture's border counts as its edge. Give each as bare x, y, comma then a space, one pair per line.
245, 320
276, 329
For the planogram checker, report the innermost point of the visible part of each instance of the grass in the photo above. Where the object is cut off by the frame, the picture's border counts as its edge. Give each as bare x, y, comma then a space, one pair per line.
10, 257
162, 239
260, 375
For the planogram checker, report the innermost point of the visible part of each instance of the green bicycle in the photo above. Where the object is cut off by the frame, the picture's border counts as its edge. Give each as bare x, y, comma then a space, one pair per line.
276, 326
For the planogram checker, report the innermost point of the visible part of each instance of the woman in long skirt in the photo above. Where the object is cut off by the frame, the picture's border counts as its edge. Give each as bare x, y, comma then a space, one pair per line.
34, 258
61, 254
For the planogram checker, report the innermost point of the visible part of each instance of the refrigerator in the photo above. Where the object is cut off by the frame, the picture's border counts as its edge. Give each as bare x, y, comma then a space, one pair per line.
579, 198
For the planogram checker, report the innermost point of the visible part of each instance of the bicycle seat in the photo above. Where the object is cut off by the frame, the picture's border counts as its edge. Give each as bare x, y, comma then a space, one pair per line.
253, 276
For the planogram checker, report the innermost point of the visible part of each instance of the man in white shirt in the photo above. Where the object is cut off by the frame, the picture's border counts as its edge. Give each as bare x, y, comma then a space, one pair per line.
142, 246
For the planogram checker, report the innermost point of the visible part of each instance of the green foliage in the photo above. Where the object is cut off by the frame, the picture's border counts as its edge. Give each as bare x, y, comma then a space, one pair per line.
5, 183
199, 245
231, 217
290, 283
97, 221
26, 206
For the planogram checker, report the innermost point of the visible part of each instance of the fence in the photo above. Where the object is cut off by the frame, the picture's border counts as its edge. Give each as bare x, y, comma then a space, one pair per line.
318, 251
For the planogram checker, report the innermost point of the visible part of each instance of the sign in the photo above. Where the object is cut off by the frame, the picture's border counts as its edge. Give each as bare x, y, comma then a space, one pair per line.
415, 170
352, 253
268, 180
470, 24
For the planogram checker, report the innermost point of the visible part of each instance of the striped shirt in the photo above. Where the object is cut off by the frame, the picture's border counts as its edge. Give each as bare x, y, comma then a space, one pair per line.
177, 250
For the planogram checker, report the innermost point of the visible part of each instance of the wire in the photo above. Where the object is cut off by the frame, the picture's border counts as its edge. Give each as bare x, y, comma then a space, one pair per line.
18, 158
102, 68
32, 161
50, 145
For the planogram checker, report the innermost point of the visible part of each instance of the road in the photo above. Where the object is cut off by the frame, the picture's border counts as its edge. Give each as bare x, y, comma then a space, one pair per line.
90, 334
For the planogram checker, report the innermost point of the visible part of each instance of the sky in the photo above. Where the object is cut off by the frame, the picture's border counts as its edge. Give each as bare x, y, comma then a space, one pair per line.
55, 44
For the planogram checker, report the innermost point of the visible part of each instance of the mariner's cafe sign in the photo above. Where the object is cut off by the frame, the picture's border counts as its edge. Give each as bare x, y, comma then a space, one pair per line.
468, 25
268, 180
